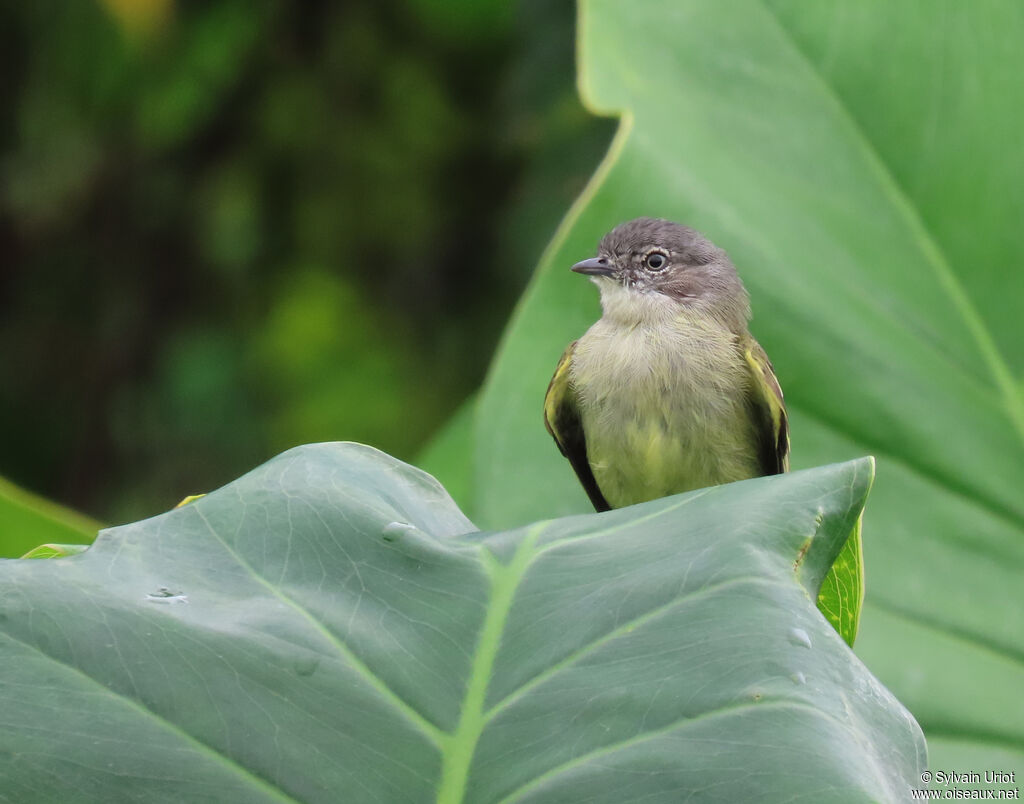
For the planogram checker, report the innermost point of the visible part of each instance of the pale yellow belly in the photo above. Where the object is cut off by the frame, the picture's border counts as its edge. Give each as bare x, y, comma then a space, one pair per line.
645, 460
663, 420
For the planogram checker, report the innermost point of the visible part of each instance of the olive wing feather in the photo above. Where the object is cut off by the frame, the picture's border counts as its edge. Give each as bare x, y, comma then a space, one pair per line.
562, 420
769, 409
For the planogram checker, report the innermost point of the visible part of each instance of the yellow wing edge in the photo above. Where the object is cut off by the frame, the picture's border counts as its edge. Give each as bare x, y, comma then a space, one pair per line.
556, 395
768, 393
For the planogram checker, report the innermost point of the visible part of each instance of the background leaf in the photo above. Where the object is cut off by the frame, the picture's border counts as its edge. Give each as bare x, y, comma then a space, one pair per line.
329, 627
52, 550
447, 456
27, 521
859, 161
842, 592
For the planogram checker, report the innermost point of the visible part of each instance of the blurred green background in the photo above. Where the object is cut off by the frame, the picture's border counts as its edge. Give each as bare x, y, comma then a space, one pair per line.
232, 227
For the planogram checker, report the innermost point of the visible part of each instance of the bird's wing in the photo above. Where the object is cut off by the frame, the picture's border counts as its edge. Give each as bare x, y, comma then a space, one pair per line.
769, 409
562, 419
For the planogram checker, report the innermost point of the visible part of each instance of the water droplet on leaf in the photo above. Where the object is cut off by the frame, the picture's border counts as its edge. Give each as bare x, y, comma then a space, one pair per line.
306, 666
395, 530
798, 636
166, 596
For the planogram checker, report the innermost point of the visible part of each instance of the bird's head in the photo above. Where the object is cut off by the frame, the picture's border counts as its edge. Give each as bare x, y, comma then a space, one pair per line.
649, 264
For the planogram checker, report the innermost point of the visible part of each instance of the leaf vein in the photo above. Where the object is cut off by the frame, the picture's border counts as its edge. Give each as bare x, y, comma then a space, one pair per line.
430, 730
246, 773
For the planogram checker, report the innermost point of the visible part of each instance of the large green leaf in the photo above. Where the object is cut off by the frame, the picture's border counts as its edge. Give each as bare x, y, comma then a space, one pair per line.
861, 163
331, 628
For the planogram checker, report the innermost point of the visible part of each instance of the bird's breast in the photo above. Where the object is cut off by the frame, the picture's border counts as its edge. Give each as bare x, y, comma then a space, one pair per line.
663, 407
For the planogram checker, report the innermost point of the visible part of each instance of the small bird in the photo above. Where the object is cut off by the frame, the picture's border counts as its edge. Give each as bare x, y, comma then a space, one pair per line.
667, 391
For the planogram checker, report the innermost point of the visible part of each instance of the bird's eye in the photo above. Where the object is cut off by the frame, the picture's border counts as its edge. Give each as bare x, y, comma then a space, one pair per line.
656, 260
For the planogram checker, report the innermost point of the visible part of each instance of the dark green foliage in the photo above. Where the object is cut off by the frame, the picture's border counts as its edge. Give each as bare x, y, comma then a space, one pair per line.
263, 224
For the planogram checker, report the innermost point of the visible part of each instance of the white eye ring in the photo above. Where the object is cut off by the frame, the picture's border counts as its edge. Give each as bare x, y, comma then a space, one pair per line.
656, 261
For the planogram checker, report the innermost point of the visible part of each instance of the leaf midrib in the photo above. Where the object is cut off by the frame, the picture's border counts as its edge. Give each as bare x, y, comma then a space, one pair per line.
1012, 394
459, 747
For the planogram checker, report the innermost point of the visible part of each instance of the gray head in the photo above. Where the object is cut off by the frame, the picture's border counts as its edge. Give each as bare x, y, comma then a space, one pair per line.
654, 260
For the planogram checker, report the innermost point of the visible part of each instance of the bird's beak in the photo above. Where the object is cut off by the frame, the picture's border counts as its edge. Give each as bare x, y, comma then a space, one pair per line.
596, 266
